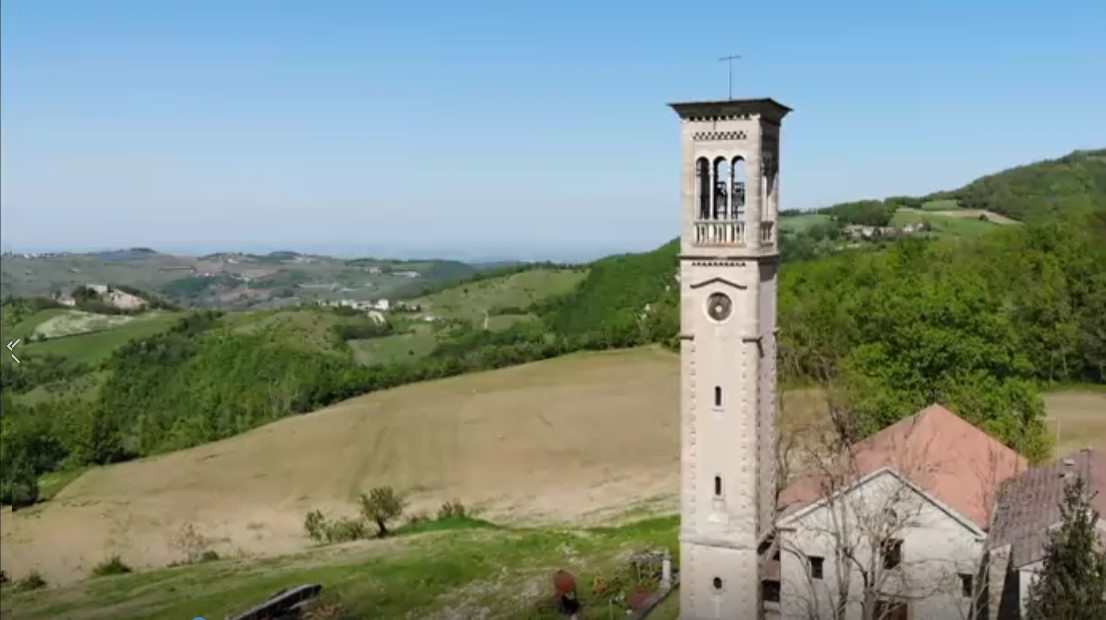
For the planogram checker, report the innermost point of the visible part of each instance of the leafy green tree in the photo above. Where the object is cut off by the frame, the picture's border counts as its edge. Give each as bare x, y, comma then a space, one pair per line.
19, 485
380, 506
1072, 584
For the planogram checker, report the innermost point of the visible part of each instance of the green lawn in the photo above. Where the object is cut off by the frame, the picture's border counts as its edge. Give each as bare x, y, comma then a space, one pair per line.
399, 347
469, 301
799, 223
474, 572
94, 347
50, 484
944, 225
27, 326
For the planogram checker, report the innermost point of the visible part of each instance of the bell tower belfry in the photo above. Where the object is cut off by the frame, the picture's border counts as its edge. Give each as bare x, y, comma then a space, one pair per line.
728, 265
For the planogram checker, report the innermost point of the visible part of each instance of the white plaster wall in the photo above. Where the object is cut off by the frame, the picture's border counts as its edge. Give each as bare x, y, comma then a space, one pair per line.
936, 548
1027, 576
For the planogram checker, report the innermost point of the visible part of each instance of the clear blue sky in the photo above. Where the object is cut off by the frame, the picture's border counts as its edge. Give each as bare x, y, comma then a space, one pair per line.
502, 128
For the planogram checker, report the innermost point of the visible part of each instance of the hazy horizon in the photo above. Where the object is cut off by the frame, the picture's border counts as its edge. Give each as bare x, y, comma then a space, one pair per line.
469, 255
536, 131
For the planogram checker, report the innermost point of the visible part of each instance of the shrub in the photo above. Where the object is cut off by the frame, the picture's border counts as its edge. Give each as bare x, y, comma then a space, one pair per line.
380, 506
32, 581
451, 509
315, 524
322, 530
194, 546
417, 518
209, 555
3, 576
111, 566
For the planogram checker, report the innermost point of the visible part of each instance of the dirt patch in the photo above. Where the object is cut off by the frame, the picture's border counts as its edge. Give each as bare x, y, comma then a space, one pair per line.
1078, 418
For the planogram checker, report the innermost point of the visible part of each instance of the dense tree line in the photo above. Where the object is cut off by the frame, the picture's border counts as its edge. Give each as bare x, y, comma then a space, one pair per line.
1071, 184
613, 297
863, 212
975, 325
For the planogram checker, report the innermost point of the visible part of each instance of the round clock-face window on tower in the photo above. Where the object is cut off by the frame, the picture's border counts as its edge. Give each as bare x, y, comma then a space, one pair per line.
719, 306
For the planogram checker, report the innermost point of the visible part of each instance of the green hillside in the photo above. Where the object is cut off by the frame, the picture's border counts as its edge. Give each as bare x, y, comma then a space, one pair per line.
1073, 183
624, 300
974, 320
236, 281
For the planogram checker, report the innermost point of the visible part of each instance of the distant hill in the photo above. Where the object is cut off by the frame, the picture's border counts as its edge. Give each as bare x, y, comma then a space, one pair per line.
229, 280
1075, 182
129, 254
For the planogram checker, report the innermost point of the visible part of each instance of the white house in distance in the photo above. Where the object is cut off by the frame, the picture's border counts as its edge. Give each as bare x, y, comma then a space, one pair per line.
897, 523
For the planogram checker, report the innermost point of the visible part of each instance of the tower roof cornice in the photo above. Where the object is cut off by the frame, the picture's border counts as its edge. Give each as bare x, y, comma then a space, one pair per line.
765, 108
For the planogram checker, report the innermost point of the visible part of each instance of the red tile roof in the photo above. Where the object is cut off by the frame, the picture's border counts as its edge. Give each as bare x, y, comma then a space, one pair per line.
1030, 504
948, 457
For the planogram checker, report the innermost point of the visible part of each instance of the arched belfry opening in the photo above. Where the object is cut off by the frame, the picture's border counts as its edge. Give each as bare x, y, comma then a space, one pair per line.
721, 188
702, 185
737, 191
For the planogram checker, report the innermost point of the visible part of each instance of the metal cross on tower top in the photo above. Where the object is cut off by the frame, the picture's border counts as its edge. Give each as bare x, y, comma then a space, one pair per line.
729, 60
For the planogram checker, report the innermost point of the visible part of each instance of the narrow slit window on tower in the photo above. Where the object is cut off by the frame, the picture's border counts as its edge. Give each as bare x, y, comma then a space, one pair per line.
718, 486
717, 396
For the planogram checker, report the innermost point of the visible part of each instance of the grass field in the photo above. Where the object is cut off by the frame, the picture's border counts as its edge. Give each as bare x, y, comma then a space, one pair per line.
799, 223
471, 300
1078, 416
461, 573
584, 439
944, 223
94, 347
27, 326
395, 348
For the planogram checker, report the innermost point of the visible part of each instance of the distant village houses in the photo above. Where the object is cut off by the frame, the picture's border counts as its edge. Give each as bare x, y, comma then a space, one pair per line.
857, 231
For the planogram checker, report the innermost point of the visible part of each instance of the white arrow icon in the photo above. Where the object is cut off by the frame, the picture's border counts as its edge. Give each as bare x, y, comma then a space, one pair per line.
11, 347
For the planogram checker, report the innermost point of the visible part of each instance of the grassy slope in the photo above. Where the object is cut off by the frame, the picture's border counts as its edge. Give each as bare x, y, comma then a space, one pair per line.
93, 347
582, 437
419, 343
799, 223
471, 572
945, 224
469, 301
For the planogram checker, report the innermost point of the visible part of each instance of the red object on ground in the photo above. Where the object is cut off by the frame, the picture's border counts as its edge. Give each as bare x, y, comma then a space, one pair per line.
564, 582
638, 598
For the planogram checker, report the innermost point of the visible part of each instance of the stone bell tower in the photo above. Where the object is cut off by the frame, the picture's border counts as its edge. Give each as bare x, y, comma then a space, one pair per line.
728, 265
